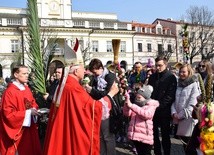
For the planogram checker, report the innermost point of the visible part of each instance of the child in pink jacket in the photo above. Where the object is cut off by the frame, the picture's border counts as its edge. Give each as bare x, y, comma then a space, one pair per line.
141, 112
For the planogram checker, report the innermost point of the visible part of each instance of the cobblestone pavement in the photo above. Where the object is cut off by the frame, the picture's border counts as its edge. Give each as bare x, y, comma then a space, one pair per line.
176, 149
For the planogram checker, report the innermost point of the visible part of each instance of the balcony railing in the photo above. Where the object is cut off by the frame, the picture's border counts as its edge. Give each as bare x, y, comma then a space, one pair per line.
122, 26
94, 24
14, 21
79, 23
108, 25
67, 23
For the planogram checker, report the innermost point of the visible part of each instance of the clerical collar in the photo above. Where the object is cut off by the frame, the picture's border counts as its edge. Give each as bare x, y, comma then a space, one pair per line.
19, 85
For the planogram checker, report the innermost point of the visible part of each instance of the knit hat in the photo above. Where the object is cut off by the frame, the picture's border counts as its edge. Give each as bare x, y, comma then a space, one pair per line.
146, 91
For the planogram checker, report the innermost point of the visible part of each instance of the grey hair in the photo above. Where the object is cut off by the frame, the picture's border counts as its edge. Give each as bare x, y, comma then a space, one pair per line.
73, 68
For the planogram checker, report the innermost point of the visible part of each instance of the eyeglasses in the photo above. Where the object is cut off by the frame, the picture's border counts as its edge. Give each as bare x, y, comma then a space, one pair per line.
203, 66
159, 65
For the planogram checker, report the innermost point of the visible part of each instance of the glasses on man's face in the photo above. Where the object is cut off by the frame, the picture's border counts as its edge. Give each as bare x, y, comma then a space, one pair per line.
137, 66
203, 66
159, 65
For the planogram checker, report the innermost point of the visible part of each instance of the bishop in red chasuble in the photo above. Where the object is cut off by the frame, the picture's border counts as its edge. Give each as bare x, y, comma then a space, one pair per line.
74, 119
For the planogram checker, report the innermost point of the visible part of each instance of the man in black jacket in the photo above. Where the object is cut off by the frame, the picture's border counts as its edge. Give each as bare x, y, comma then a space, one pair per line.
51, 90
164, 84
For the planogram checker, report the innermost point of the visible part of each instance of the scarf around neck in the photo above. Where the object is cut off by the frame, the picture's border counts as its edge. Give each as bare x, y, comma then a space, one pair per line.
187, 82
101, 82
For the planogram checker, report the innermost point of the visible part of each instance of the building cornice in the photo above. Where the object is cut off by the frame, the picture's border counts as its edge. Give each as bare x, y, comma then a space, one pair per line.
155, 35
85, 30
8, 28
114, 31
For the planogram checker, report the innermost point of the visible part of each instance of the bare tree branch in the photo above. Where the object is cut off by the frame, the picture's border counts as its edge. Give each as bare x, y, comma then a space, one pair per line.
201, 38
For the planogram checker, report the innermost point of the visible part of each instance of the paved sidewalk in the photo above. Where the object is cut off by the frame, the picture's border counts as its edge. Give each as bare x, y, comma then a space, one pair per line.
176, 149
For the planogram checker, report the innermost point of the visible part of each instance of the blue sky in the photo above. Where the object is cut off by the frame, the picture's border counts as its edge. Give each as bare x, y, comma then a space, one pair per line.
145, 11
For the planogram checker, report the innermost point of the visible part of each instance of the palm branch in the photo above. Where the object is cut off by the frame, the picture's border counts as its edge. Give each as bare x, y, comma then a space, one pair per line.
34, 54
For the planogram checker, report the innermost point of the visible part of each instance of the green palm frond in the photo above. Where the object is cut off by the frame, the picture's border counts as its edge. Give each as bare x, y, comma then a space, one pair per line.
34, 54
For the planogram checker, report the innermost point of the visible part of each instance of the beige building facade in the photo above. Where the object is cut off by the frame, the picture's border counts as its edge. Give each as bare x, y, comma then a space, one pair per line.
60, 26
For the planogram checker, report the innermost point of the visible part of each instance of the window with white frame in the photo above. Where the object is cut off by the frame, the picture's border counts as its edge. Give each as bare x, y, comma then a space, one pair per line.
138, 29
109, 46
169, 48
149, 47
160, 48
159, 30
147, 30
95, 46
168, 32
122, 46
140, 47
15, 46
180, 49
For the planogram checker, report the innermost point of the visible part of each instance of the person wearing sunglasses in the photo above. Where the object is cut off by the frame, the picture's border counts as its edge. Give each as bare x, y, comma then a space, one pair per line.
204, 69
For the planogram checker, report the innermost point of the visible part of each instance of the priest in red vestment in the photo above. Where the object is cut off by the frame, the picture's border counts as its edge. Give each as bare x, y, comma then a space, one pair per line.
74, 119
18, 129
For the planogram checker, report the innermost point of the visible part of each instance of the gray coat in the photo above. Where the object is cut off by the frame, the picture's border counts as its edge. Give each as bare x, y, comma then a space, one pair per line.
185, 97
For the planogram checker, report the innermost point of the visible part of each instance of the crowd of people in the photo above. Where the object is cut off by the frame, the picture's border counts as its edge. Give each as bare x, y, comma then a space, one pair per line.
137, 106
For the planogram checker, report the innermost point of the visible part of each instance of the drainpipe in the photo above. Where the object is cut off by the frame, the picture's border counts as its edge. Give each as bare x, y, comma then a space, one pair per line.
133, 61
176, 47
22, 44
89, 36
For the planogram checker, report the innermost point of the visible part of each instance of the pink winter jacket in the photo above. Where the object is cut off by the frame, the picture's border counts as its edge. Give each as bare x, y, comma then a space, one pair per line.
141, 124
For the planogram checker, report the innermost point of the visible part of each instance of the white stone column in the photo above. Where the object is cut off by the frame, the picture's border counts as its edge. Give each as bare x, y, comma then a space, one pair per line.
45, 42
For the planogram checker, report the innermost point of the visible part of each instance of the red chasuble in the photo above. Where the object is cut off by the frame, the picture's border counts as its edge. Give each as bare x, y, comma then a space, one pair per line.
74, 126
13, 136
